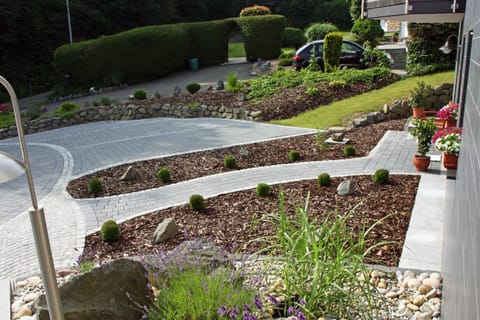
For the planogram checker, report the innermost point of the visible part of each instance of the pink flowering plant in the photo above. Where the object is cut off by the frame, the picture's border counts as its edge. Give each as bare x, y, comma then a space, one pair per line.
4, 108
448, 140
450, 111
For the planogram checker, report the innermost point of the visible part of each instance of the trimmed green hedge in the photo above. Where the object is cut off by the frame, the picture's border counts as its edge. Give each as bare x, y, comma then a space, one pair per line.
293, 37
263, 35
332, 48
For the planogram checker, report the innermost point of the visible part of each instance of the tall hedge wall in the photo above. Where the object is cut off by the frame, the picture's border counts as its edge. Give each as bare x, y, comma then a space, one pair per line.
263, 35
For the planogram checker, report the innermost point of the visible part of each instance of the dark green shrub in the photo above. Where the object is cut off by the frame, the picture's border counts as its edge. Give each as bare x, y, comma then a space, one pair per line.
193, 87
420, 95
140, 94
33, 112
349, 151
196, 202
263, 35
324, 180
331, 51
164, 174
105, 101
229, 162
373, 57
293, 38
263, 189
318, 31
255, 10
95, 185
381, 176
95, 103
367, 30
285, 58
294, 155
110, 231
66, 107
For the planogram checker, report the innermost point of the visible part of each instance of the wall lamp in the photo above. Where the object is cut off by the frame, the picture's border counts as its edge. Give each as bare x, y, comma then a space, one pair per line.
11, 168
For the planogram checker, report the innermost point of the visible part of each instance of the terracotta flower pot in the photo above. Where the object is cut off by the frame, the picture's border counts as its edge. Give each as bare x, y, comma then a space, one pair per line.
450, 161
421, 163
450, 123
418, 113
439, 122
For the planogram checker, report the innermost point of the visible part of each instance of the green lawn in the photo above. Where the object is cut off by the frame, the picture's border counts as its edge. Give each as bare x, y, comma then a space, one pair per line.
236, 50
337, 113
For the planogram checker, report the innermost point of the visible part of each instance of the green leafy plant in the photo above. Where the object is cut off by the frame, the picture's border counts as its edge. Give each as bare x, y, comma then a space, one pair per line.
229, 162
312, 91
86, 266
285, 58
193, 87
324, 180
233, 84
424, 131
420, 95
348, 151
164, 174
313, 65
110, 231
321, 141
194, 105
367, 30
197, 202
263, 189
105, 101
332, 48
294, 155
95, 185
323, 263
318, 31
337, 84
381, 176
67, 109
373, 57
139, 94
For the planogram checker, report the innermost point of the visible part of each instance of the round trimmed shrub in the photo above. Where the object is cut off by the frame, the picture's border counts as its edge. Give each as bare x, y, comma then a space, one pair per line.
67, 109
110, 231
140, 94
318, 31
324, 180
294, 155
255, 10
193, 87
293, 37
197, 202
263, 189
229, 162
349, 151
367, 30
95, 185
381, 176
164, 174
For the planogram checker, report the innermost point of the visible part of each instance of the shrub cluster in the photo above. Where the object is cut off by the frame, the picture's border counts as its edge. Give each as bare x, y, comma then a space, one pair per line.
193, 87
367, 30
140, 94
95, 185
294, 155
196, 202
263, 190
318, 31
324, 180
67, 109
285, 58
381, 176
229, 162
164, 174
110, 231
348, 151
373, 57
293, 37
255, 10
332, 48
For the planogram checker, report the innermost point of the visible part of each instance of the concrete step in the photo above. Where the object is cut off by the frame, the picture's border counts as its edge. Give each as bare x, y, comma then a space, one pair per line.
5, 298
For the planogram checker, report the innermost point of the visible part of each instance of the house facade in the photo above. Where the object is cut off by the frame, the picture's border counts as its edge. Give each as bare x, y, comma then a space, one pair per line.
461, 253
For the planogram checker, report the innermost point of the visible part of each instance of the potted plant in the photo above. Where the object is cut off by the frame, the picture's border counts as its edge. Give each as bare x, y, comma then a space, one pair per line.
448, 114
395, 36
424, 131
420, 99
448, 141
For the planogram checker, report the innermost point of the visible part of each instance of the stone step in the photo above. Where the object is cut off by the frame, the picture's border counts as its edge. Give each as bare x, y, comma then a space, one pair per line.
5, 298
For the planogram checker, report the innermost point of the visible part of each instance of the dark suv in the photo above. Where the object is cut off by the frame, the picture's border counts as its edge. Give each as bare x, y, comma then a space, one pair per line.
350, 56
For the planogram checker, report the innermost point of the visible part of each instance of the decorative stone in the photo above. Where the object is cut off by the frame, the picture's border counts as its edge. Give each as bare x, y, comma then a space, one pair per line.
165, 230
17, 305
347, 187
414, 283
419, 300
424, 289
433, 282
338, 136
423, 316
412, 307
220, 85
23, 311
436, 275
112, 291
392, 294
129, 174
177, 91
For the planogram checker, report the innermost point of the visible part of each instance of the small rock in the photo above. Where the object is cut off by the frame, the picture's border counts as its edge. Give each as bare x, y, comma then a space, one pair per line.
382, 284
30, 297
24, 311
220, 85
346, 188
419, 300
129, 174
392, 294
338, 136
424, 289
423, 276
423, 316
165, 230
435, 301
377, 274
17, 305
177, 91
409, 274
412, 307
433, 282
436, 275
64, 272
432, 293
414, 283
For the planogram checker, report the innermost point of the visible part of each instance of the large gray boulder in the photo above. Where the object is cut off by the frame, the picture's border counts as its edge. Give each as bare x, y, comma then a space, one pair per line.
113, 291
165, 230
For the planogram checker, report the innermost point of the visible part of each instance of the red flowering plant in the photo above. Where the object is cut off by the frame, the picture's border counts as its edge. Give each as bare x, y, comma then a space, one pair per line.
4, 108
450, 111
448, 140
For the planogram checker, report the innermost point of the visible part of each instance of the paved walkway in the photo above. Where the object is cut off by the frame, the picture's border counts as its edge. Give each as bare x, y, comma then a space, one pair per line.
58, 156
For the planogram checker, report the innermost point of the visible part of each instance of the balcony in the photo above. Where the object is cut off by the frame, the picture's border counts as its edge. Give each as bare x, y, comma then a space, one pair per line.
422, 11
